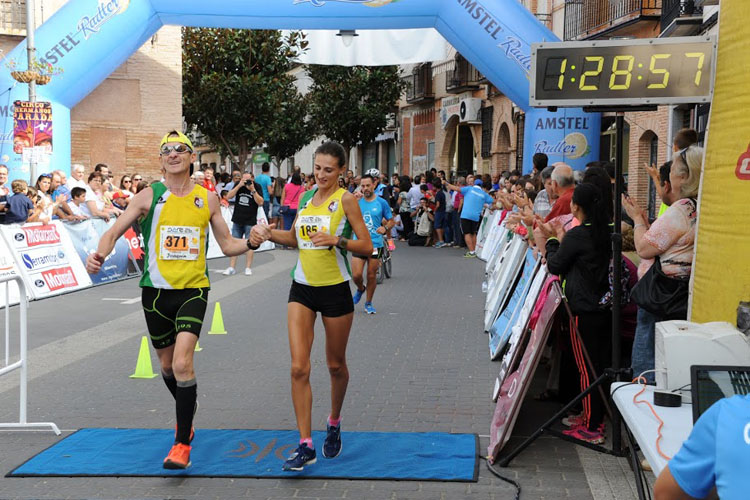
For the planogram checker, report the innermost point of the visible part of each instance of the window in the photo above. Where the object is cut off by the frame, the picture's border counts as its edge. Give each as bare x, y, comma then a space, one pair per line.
12, 16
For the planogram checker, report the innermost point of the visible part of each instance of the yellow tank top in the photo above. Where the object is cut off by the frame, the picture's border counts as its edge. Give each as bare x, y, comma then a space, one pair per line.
321, 266
175, 239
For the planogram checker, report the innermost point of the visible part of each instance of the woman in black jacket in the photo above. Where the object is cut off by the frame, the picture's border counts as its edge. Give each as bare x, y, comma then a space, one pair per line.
581, 260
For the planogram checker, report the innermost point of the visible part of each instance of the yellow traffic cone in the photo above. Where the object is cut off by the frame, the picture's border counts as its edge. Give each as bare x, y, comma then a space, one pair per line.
217, 324
143, 366
198, 347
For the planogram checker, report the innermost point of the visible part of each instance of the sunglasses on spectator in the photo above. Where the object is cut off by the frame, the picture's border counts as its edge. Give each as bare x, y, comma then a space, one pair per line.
177, 148
137, 179
48, 176
683, 155
126, 181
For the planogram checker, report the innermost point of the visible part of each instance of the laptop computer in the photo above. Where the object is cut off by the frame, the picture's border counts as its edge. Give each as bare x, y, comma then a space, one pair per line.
712, 383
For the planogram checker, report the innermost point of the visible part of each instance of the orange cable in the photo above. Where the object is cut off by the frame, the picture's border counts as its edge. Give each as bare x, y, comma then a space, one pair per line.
661, 422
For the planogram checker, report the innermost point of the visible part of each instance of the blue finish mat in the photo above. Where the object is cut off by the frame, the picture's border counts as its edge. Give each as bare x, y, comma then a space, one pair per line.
430, 456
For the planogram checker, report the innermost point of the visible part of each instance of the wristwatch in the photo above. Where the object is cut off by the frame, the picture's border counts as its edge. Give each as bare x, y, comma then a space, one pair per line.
250, 246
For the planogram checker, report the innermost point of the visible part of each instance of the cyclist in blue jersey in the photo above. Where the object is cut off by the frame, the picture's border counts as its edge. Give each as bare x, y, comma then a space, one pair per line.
374, 210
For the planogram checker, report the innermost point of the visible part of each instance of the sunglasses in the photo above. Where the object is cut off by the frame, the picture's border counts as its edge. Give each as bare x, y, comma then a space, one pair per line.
127, 182
683, 155
137, 179
177, 148
48, 176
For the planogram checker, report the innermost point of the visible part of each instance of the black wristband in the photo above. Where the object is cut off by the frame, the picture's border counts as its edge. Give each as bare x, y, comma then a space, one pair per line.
250, 246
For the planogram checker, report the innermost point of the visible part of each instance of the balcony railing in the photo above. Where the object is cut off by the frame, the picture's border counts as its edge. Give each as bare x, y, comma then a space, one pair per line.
672, 9
588, 18
463, 77
12, 17
419, 84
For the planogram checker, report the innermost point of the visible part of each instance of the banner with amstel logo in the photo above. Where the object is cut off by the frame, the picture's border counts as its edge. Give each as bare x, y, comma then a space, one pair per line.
721, 273
46, 258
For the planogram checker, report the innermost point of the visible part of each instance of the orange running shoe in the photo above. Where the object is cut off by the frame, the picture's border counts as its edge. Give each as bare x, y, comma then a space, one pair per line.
178, 458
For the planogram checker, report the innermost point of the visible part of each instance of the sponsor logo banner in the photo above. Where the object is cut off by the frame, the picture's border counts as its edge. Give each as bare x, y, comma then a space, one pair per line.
33, 236
43, 258
57, 279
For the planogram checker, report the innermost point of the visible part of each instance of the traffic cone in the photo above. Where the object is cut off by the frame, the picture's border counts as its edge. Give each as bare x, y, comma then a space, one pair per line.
198, 347
143, 366
217, 324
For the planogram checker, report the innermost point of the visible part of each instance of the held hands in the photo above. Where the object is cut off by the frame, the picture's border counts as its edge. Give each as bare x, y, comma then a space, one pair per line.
261, 233
94, 263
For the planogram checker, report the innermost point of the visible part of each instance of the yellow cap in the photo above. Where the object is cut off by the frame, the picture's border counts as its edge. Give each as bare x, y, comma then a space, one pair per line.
176, 136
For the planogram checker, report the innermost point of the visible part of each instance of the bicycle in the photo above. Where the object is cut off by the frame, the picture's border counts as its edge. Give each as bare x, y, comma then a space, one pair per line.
385, 267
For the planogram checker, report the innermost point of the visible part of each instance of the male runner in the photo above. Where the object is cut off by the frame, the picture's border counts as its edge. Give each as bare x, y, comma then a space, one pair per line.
374, 210
176, 213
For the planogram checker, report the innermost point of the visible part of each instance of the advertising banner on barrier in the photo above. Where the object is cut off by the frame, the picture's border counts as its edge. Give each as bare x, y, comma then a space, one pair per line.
501, 328
517, 382
46, 257
8, 268
504, 276
85, 236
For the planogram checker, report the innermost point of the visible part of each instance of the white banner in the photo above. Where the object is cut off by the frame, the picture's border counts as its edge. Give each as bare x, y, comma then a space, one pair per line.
375, 47
214, 250
46, 258
8, 268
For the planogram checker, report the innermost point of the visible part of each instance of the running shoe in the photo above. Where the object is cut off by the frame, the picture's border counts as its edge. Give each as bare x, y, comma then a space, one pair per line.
439, 244
369, 308
332, 444
573, 420
470, 255
178, 458
248, 271
583, 434
229, 271
301, 457
358, 295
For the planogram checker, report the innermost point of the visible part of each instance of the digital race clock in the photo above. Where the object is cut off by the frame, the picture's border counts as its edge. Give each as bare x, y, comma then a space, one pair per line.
623, 72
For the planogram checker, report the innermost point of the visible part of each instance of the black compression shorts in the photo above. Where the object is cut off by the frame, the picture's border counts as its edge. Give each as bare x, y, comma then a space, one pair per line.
330, 301
169, 312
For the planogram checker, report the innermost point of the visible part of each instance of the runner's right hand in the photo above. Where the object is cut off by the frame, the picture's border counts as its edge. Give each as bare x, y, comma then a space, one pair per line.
94, 263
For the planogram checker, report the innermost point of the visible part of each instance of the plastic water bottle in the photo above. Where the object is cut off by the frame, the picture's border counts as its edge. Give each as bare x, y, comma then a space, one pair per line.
484, 286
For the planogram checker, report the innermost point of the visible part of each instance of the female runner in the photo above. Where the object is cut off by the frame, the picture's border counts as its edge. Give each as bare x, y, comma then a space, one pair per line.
326, 216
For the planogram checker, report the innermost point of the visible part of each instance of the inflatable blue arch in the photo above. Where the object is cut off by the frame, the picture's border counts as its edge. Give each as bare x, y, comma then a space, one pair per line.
89, 39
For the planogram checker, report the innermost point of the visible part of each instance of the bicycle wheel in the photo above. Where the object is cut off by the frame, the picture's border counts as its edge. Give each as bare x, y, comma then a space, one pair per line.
387, 265
381, 273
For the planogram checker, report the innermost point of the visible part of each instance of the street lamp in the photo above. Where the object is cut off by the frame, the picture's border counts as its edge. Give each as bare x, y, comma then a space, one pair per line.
347, 36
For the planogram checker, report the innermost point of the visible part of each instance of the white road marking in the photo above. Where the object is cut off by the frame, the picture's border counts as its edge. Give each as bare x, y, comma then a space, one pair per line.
124, 301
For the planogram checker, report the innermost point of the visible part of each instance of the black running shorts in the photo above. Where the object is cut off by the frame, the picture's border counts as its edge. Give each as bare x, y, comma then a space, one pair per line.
330, 301
469, 226
169, 312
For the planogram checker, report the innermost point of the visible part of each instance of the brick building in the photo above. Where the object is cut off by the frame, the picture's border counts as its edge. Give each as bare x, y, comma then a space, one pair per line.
121, 122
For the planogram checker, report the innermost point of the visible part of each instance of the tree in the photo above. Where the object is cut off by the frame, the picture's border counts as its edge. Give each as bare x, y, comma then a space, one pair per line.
234, 82
349, 104
293, 128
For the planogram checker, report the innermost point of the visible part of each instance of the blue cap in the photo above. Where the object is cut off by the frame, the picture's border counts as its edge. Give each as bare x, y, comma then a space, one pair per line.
478, 182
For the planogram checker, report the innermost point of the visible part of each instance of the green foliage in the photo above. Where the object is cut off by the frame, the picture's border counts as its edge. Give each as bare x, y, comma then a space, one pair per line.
235, 82
349, 104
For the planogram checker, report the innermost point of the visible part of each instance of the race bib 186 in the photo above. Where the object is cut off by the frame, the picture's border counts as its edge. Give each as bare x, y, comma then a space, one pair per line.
307, 225
179, 243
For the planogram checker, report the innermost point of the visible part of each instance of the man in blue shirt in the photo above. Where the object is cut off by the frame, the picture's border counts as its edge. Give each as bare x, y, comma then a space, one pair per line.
715, 455
265, 183
475, 198
374, 210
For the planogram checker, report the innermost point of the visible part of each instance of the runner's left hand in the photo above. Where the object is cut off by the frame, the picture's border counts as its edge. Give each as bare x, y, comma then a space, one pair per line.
321, 239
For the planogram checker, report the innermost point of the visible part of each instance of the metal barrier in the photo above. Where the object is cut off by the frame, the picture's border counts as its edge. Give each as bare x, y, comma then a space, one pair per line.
22, 363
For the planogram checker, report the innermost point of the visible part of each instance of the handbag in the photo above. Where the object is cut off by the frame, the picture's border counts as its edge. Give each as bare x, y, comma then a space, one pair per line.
662, 295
